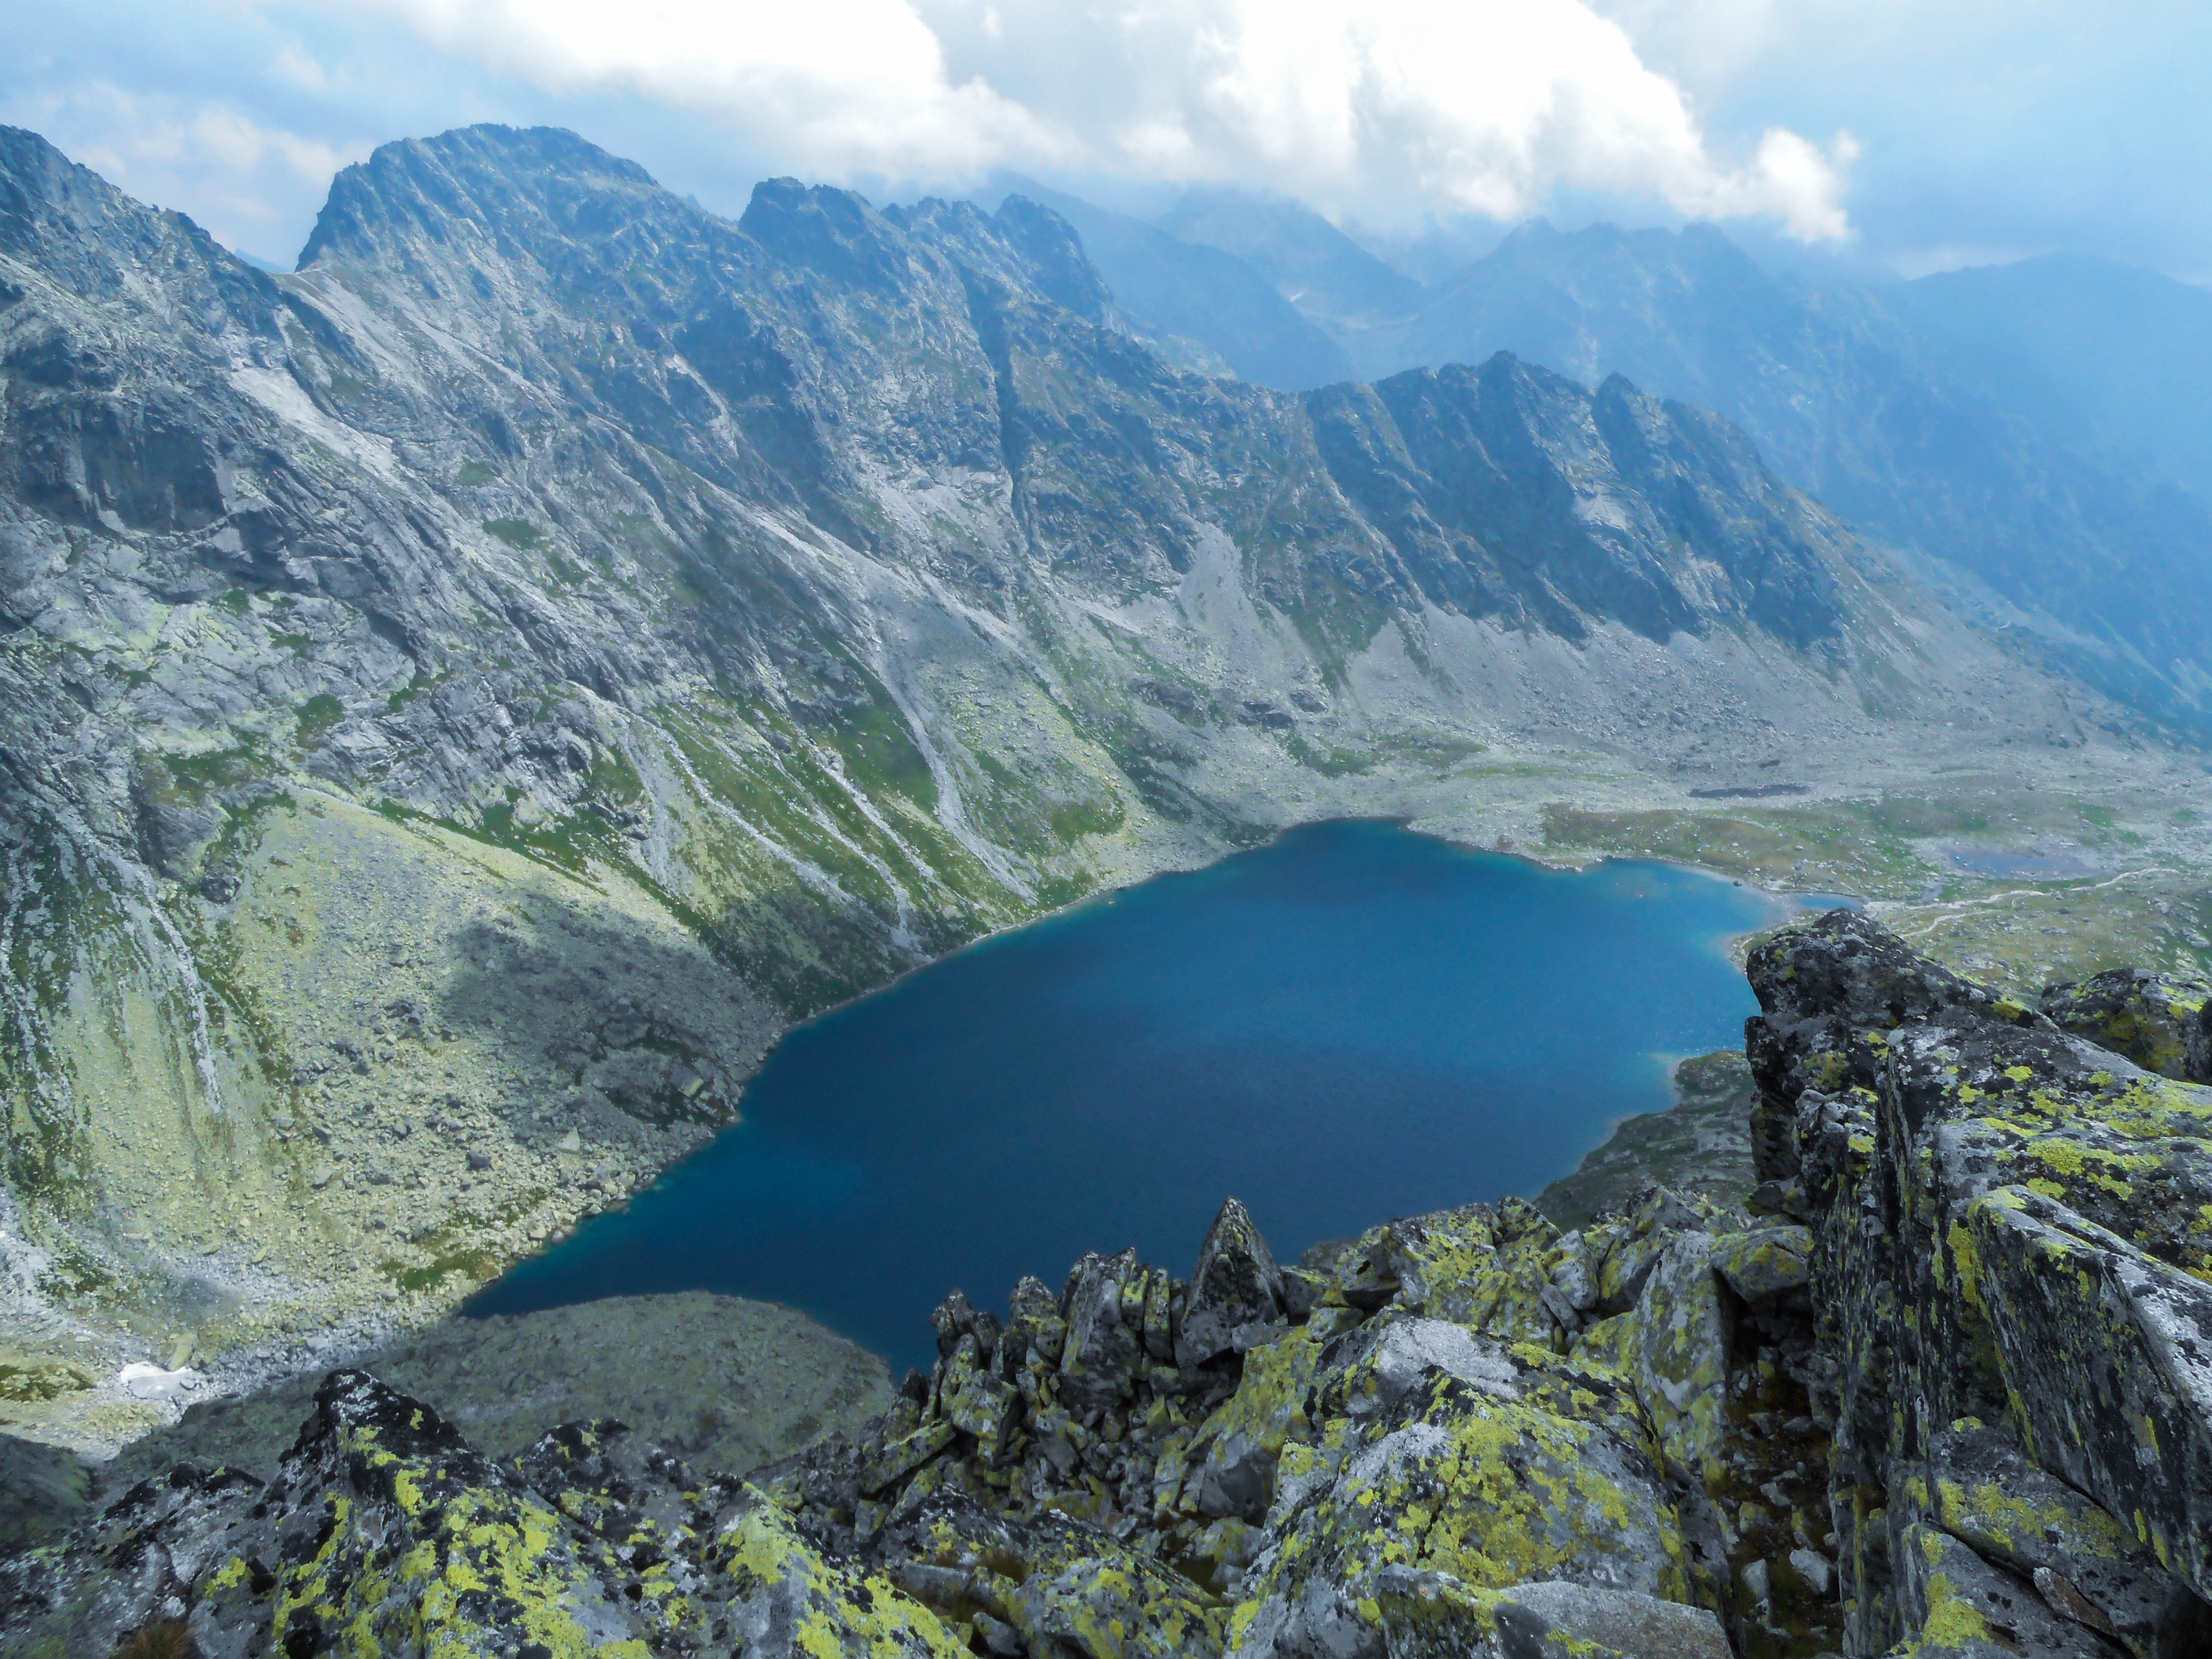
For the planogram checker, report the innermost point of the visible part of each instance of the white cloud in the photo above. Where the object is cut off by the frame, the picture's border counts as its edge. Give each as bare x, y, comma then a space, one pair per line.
242, 180
298, 68
1383, 104
832, 86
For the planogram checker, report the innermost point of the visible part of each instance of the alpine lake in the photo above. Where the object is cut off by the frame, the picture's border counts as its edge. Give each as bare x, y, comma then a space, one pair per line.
1353, 1023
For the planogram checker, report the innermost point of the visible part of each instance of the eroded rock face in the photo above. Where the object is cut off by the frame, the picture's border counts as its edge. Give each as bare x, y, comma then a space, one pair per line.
1427, 1422
2008, 1256
2162, 1024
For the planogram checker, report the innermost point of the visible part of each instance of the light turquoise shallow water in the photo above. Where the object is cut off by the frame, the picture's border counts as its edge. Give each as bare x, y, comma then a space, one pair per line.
1352, 1024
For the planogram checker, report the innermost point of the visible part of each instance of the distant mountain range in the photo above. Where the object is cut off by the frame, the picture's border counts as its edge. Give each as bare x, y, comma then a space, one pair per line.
2038, 434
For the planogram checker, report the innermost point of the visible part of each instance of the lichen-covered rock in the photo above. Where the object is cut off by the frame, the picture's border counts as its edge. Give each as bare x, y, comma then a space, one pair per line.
161, 1555
1234, 1285
2161, 1022
1956, 1606
1437, 1451
1483, 1265
2009, 1225
395, 1536
1675, 1345
1436, 1398
1844, 966
1765, 1264
1234, 1453
1621, 1621
1062, 1586
789, 1602
1425, 1614
1827, 988
2107, 1355
1984, 1491
1104, 1306
385, 1533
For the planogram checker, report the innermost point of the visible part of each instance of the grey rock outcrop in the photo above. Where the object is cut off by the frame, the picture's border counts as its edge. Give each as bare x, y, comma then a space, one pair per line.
1234, 1285
2006, 1252
1450, 1409
2161, 1022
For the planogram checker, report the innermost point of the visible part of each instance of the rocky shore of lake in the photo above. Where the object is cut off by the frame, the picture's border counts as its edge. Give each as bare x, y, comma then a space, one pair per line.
1940, 1384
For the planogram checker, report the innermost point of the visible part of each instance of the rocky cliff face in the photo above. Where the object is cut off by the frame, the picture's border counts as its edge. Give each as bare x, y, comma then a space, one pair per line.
1940, 1391
2023, 457
2011, 1250
459, 702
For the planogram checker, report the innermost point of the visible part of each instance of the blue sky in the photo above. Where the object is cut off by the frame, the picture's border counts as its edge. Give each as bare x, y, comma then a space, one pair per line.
1885, 134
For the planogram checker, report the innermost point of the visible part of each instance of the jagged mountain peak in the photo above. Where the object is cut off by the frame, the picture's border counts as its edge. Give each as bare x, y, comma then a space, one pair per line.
828, 232
1511, 489
513, 178
62, 220
1063, 272
2035, 439
579, 233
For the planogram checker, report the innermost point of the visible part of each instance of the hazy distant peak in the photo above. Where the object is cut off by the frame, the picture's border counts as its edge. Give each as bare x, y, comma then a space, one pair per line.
1311, 263
1189, 295
1700, 245
1063, 272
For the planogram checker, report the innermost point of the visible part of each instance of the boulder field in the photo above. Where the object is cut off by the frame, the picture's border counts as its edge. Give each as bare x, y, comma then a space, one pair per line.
1943, 1387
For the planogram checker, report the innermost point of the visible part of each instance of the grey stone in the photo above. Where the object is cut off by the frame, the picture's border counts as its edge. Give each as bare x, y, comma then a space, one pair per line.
1816, 1570
1943, 1587
1234, 1284
1765, 1266
2160, 1022
44, 1490
1634, 1625
1104, 1345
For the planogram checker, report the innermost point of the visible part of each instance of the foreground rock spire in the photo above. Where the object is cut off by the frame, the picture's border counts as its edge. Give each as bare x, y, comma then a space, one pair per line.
1944, 1390
2013, 1237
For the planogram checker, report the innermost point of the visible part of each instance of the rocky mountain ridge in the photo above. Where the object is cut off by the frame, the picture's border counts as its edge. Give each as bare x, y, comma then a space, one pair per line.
2031, 436
1918, 1399
461, 701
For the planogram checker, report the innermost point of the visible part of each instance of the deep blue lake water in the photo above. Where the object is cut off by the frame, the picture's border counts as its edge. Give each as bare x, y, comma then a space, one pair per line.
1353, 1023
